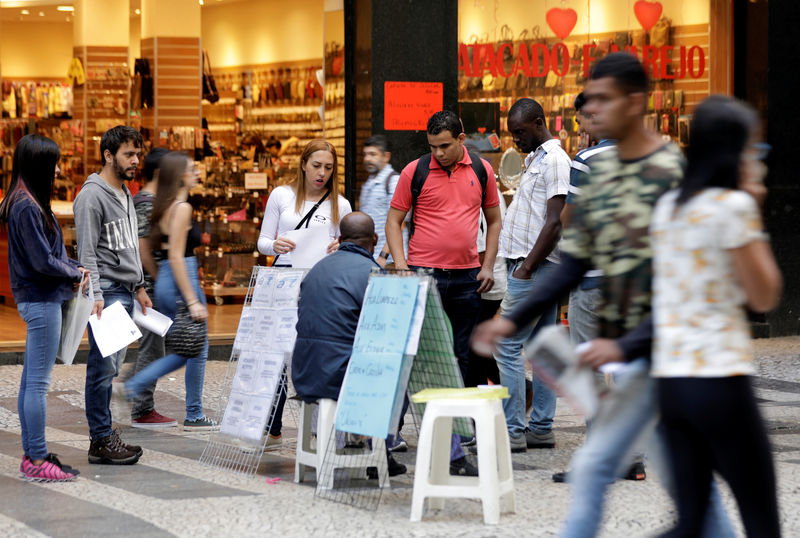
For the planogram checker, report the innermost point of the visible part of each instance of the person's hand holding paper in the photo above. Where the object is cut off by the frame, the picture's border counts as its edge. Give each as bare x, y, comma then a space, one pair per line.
311, 245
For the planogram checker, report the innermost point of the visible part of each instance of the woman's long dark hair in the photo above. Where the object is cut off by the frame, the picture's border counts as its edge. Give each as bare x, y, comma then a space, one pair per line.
719, 132
171, 169
33, 175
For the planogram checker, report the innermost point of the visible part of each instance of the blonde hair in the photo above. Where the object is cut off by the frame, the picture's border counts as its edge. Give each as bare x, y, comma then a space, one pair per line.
299, 185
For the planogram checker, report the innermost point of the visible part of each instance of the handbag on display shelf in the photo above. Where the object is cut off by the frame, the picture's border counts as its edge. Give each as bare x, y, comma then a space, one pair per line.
210, 92
186, 337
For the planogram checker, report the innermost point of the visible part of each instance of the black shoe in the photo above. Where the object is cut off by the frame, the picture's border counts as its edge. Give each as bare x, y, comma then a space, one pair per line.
395, 468
136, 449
560, 477
462, 467
111, 451
636, 472
540, 440
53, 458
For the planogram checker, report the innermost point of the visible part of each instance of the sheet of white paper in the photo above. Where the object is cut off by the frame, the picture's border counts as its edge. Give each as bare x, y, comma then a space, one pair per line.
418, 318
285, 330
244, 331
264, 287
312, 245
287, 288
612, 367
114, 330
154, 321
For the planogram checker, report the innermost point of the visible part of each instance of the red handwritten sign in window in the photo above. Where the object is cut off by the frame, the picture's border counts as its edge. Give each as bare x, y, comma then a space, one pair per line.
408, 105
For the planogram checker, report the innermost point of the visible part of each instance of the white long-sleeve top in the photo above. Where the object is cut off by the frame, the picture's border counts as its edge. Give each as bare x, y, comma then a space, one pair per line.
280, 217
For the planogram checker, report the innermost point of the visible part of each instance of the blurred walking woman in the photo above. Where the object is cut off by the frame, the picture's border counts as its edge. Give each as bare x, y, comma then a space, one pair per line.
711, 259
174, 234
43, 278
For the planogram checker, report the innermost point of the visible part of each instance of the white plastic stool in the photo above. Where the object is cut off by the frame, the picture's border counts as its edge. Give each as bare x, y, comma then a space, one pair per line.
305, 457
432, 475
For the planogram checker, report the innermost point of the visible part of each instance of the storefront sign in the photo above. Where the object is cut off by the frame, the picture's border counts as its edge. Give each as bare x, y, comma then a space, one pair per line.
537, 60
408, 105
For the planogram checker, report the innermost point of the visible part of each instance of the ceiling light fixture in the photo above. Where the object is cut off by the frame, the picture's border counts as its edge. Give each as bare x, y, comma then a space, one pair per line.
65, 8
41, 13
137, 11
25, 12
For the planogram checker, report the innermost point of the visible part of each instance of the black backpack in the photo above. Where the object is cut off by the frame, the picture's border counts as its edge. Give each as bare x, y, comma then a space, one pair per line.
421, 174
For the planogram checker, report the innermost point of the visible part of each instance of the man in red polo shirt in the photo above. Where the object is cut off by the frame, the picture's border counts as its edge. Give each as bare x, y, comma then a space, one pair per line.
445, 227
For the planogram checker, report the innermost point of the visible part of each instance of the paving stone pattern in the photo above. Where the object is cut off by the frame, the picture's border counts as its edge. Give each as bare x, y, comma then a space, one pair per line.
168, 493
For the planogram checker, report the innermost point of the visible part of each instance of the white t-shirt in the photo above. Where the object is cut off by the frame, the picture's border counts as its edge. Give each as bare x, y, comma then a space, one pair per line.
701, 329
498, 291
280, 217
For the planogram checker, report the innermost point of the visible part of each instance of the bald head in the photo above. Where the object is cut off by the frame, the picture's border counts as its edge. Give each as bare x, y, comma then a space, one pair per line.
358, 228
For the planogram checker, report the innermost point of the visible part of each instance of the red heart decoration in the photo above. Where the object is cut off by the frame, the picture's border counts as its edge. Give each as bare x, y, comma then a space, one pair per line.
647, 13
562, 21
481, 130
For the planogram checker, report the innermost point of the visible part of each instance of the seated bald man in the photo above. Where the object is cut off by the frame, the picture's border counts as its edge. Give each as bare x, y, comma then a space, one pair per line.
331, 295
327, 315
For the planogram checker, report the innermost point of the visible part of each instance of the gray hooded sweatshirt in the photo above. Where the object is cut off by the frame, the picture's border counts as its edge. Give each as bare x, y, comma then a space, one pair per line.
108, 239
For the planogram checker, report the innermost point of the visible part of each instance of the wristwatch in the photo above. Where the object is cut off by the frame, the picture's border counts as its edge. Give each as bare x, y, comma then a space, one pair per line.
384, 254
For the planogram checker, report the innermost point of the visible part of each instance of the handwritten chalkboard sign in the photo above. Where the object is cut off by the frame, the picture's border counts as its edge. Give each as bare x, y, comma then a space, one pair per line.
370, 392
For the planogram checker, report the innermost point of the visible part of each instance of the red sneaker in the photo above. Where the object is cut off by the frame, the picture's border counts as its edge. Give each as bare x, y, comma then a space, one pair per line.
153, 420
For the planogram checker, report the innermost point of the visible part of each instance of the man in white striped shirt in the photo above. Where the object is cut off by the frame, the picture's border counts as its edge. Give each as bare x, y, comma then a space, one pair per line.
376, 193
528, 241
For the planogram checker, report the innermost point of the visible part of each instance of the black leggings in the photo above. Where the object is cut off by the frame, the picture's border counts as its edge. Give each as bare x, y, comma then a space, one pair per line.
713, 424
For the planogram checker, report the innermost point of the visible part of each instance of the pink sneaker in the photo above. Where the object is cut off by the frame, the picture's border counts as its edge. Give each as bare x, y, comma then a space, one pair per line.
46, 472
24, 465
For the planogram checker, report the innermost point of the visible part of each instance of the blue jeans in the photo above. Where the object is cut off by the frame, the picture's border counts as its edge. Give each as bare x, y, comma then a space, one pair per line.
43, 320
101, 370
167, 295
511, 363
461, 301
625, 417
583, 319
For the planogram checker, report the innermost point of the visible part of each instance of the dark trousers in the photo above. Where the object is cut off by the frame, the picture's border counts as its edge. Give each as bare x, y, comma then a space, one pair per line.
462, 303
480, 368
713, 424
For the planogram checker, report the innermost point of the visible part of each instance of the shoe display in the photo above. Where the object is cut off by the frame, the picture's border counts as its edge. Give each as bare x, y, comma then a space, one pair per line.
462, 467
636, 472
110, 450
540, 440
153, 420
46, 472
202, 424
398, 444
136, 449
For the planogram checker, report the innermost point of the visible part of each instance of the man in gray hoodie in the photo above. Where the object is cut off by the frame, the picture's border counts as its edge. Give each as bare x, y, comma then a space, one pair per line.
108, 246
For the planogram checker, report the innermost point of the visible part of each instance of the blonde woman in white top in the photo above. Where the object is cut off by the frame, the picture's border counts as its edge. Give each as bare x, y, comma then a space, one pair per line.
289, 205
312, 199
711, 259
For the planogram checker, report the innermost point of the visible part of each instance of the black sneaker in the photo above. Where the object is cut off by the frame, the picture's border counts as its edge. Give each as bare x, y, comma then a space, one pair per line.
111, 451
560, 477
53, 458
395, 468
462, 467
136, 449
636, 472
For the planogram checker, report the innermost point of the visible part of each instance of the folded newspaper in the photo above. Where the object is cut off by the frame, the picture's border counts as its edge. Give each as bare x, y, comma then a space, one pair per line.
555, 361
